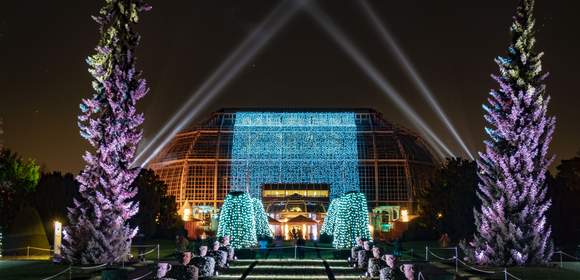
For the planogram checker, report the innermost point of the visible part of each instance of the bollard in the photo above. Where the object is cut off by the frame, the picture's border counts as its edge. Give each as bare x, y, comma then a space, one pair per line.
561, 264
427, 253
157, 252
28, 251
295, 248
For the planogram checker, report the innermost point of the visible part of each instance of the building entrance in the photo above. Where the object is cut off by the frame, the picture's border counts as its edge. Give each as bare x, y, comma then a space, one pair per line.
296, 210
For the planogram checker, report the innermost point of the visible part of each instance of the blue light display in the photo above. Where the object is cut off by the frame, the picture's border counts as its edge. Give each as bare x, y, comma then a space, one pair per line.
295, 148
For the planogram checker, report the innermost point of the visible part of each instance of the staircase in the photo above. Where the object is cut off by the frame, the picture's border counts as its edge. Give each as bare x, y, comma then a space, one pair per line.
289, 269
342, 270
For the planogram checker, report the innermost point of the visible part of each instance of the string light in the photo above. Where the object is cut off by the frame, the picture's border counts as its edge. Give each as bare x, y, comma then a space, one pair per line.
296, 147
237, 220
330, 219
351, 221
347, 218
262, 226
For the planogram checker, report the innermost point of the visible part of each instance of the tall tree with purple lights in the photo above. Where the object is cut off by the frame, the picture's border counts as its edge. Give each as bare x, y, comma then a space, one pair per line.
511, 223
98, 230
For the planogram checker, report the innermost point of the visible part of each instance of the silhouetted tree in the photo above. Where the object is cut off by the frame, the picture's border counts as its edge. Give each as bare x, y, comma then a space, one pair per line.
54, 193
565, 193
150, 190
169, 222
447, 205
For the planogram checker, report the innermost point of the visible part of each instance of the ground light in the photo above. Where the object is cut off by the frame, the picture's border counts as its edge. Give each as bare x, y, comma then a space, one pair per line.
371, 71
224, 75
405, 62
263, 34
405, 215
57, 237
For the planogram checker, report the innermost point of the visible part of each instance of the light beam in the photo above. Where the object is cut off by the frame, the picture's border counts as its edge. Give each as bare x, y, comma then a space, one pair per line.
260, 37
405, 62
376, 77
224, 74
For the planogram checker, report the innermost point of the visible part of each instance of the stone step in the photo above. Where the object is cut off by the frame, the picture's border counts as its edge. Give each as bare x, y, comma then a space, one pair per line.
290, 262
290, 269
343, 270
339, 264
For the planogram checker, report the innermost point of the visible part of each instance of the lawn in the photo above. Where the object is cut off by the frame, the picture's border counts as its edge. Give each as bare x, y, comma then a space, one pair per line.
538, 273
166, 249
31, 269
16, 268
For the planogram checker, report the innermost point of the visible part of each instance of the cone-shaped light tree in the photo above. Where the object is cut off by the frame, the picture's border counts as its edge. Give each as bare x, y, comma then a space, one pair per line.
511, 223
352, 220
237, 220
330, 219
262, 226
98, 230
347, 218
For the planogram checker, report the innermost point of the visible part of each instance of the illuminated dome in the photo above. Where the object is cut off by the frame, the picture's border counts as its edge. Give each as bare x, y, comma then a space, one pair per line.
243, 149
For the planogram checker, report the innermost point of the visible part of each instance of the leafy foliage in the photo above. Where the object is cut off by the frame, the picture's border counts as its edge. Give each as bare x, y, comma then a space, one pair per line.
150, 191
18, 178
53, 194
169, 222
565, 193
447, 205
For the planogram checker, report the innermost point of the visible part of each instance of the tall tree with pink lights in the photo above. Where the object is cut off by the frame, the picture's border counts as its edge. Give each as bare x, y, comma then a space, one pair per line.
511, 223
98, 230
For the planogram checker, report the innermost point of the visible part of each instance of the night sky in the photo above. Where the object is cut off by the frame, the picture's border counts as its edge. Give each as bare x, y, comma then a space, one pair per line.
452, 43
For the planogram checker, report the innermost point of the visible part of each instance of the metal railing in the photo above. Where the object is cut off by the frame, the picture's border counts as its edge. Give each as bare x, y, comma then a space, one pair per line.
70, 269
455, 258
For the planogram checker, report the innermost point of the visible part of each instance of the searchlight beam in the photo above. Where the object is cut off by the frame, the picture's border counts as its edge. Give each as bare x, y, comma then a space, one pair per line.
356, 55
405, 62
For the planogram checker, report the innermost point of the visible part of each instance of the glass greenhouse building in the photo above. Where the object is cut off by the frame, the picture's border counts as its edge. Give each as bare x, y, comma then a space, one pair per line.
296, 161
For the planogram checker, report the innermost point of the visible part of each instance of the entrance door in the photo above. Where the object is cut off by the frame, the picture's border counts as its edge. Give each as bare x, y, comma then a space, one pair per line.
295, 231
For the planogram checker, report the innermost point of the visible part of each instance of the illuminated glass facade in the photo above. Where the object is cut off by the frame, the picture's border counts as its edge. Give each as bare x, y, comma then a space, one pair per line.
247, 149
305, 147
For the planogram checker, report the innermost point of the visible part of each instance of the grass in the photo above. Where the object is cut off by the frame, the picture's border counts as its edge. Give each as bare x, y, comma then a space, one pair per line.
31, 269
35, 269
166, 249
537, 273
